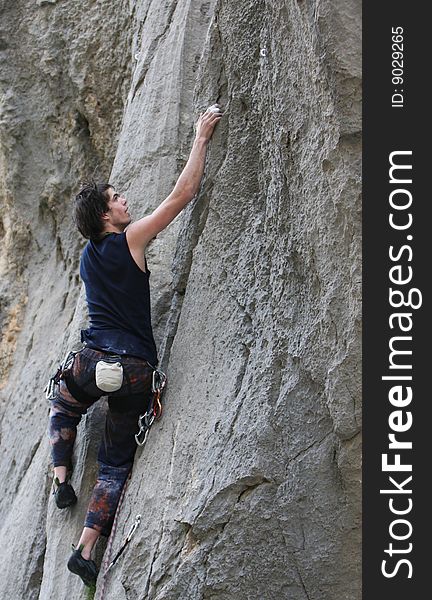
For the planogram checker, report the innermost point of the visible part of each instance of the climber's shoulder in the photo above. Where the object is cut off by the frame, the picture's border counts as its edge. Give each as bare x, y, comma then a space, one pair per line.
141, 232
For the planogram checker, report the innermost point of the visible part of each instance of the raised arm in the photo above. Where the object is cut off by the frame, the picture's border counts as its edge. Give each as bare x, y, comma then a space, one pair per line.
141, 232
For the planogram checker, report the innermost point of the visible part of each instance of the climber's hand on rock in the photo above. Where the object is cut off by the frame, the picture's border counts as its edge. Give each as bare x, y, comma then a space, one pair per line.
207, 122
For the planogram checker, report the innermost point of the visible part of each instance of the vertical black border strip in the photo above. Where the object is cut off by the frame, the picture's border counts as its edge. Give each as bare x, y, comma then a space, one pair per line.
388, 129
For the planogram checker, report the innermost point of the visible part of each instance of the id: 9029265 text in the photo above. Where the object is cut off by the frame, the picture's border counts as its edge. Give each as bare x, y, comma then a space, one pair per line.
397, 66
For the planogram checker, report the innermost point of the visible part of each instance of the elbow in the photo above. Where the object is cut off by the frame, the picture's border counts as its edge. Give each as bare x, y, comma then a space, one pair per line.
185, 193
189, 195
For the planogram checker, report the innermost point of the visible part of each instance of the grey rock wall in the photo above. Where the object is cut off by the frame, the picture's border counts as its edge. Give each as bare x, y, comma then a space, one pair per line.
249, 487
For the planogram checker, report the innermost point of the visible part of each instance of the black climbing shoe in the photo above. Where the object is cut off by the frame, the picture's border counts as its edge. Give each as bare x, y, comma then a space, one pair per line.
64, 494
86, 569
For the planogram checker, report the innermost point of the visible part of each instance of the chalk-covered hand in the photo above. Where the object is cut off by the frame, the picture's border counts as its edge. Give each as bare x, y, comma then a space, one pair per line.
207, 122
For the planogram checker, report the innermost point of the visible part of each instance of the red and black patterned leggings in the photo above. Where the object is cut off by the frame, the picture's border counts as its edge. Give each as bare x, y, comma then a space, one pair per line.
118, 446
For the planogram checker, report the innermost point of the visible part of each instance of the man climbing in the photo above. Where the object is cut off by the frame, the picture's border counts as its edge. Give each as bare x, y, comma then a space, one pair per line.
119, 353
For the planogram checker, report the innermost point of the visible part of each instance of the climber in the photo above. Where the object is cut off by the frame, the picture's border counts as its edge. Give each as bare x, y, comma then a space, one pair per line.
119, 355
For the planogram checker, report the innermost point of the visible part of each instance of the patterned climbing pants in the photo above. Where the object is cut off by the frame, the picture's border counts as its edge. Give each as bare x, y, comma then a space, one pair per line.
118, 446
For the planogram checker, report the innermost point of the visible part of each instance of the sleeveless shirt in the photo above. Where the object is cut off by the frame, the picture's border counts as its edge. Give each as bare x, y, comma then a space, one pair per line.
118, 299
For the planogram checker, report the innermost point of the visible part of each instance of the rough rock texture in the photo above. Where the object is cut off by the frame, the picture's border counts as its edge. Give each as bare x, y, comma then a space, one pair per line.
249, 487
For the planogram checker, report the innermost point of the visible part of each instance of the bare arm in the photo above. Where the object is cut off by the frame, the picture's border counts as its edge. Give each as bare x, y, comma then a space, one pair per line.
141, 232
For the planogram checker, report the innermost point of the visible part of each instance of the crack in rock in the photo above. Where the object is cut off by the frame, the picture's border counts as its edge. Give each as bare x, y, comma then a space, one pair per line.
153, 49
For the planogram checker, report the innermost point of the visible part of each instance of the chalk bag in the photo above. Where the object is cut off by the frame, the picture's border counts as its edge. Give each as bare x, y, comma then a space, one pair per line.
109, 376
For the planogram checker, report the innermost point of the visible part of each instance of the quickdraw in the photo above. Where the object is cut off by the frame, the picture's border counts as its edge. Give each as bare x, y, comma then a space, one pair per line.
125, 543
145, 421
54, 381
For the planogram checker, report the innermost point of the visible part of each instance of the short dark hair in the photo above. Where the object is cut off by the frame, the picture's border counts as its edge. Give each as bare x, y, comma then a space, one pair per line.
91, 203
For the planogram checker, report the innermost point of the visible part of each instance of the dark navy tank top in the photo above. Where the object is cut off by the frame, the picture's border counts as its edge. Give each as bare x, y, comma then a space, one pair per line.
118, 298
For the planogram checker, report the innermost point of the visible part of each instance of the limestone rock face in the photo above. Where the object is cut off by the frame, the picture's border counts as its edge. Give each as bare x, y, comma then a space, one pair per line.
249, 486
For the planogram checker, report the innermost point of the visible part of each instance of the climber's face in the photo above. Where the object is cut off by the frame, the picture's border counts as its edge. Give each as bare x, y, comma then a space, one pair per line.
118, 216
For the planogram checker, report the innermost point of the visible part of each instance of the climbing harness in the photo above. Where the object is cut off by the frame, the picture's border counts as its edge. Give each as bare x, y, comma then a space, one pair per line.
50, 389
109, 375
63, 372
145, 421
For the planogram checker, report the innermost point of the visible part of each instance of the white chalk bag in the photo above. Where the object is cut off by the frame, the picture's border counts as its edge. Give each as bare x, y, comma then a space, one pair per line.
109, 376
